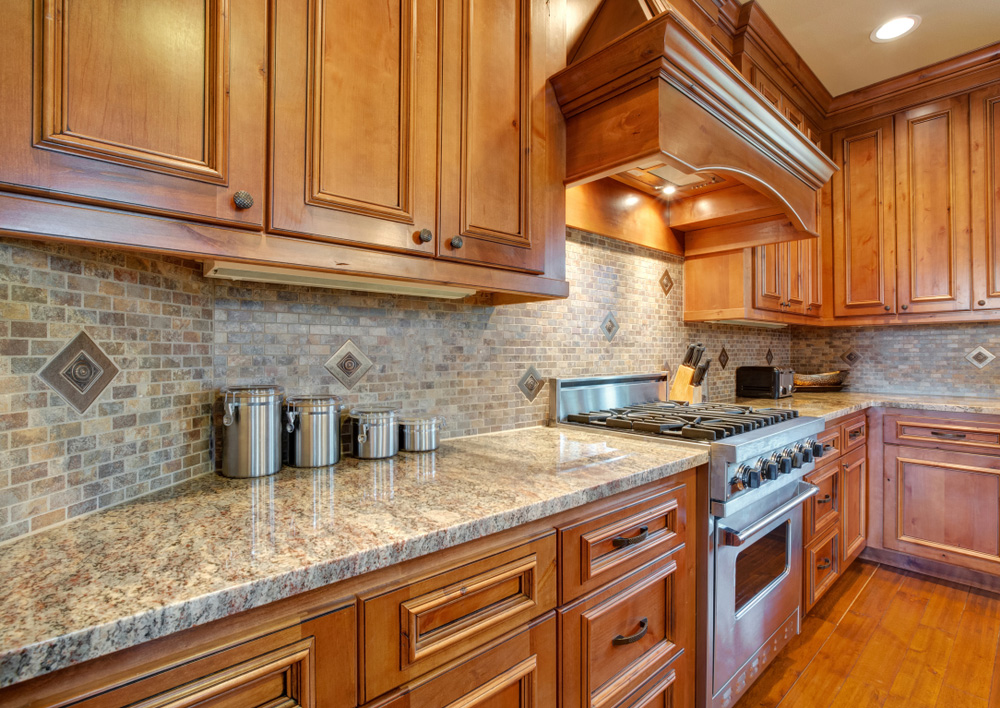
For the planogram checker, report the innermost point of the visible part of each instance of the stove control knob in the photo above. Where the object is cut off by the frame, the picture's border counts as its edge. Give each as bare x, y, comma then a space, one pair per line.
817, 449
746, 478
807, 453
795, 456
768, 469
784, 462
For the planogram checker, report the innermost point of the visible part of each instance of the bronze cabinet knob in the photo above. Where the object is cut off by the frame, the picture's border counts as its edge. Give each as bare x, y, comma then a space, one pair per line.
887, 308
425, 235
981, 303
457, 242
243, 200
906, 307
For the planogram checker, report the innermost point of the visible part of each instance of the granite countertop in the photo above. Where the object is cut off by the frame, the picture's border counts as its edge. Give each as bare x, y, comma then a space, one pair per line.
212, 547
835, 405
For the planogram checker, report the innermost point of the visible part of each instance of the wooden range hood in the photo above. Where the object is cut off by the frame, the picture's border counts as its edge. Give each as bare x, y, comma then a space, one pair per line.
659, 103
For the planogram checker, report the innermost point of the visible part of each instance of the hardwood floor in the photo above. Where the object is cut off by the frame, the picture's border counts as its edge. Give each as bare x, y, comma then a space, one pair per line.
887, 637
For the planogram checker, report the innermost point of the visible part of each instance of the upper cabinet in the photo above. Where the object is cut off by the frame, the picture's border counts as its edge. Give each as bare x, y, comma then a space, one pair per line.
864, 236
932, 207
354, 148
501, 170
149, 106
985, 141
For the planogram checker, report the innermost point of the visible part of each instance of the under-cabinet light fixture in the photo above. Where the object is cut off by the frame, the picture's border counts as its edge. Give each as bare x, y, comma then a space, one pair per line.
895, 28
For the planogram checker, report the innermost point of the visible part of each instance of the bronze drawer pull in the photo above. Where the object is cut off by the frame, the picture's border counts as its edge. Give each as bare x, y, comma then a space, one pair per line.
622, 542
632, 638
948, 436
856, 433
825, 564
825, 500
827, 447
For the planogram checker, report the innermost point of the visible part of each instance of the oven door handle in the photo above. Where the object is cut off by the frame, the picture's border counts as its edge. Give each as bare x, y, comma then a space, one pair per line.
731, 537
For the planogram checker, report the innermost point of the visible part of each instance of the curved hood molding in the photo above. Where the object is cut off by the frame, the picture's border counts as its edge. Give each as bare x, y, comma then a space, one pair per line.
661, 94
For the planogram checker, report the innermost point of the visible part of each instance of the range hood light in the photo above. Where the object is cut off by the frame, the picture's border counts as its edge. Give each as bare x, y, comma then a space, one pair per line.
631, 200
669, 189
895, 28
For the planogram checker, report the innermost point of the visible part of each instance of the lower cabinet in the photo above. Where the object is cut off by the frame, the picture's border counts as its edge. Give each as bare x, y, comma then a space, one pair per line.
943, 505
518, 671
835, 521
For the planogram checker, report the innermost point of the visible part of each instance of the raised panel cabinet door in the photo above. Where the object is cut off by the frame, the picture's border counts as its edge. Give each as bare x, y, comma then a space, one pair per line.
943, 505
501, 182
933, 231
517, 671
354, 139
795, 256
864, 220
854, 500
984, 123
814, 275
769, 277
157, 107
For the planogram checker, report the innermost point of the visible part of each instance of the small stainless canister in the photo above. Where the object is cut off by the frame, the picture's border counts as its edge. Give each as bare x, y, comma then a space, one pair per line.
420, 433
373, 432
251, 436
312, 430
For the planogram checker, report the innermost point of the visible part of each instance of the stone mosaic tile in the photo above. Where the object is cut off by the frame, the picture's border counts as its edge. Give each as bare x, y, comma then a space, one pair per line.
980, 357
851, 358
79, 372
610, 326
666, 282
724, 357
349, 364
531, 383
769, 357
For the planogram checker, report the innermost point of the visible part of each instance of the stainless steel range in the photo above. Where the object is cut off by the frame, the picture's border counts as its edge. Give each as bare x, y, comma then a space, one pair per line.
751, 589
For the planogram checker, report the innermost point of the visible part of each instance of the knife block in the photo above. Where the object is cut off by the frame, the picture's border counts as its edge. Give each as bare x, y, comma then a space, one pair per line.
679, 389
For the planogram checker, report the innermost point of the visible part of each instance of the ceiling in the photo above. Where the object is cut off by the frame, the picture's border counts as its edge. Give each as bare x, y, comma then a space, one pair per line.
832, 37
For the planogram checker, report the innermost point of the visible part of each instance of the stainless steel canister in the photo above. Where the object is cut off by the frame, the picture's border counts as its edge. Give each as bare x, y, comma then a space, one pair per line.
312, 430
420, 433
373, 432
251, 438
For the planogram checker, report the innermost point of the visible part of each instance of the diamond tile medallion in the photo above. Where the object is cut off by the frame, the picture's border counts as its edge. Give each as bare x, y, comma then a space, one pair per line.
980, 357
723, 358
609, 326
79, 372
851, 357
349, 364
770, 356
531, 383
666, 282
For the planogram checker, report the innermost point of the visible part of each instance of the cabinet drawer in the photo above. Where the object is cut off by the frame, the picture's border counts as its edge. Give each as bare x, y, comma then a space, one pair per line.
309, 665
854, 433
824, 508
943, 433
518, 671
416, 627
624, 635
602, 548
831, 442
822, 565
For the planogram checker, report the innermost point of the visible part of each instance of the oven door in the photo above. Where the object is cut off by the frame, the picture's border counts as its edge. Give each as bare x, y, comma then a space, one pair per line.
758, 579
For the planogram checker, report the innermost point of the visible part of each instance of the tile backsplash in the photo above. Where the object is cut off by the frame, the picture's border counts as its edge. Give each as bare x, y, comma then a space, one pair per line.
177, 337
921, 359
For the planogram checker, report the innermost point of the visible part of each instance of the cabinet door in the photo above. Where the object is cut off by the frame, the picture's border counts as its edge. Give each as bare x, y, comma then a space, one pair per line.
354, 140
943, 505
151, 106
864, 236
501, 184
854, 501
795, 256
814, 271
933, 263
769, 277
518, 671
984, 123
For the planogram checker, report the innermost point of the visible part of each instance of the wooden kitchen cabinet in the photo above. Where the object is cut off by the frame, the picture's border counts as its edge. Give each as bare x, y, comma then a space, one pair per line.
933, 266
984, 122
864, 220
783, 275
153, 107
501, 160
854, 503
943, 505
355, 110
821, 565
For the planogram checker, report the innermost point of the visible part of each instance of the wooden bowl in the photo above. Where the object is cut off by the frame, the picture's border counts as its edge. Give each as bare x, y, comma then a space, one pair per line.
830, 378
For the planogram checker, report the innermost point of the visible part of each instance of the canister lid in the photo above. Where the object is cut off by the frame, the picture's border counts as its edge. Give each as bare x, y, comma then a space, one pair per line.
420, 419
251, 394
315, 401
375, 414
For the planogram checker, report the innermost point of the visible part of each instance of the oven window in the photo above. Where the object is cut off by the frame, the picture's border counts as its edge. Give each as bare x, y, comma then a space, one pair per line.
760, 564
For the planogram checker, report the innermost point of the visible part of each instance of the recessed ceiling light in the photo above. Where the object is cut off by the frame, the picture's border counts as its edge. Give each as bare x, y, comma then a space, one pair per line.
895, 28
631, 200
669, 189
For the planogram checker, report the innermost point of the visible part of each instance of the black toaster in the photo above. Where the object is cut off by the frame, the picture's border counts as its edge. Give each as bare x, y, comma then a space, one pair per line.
764, 382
